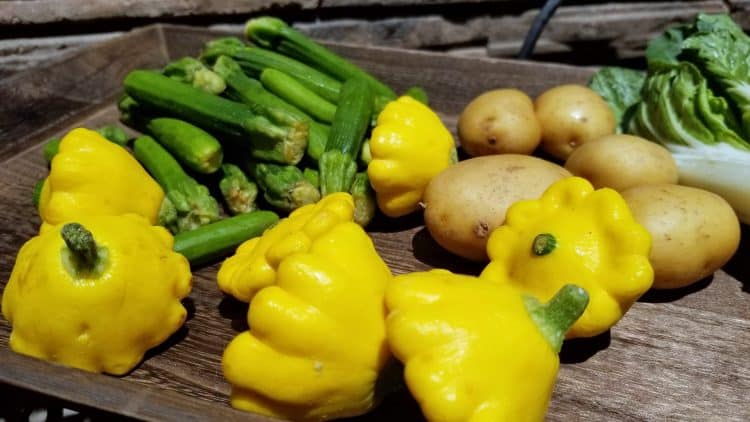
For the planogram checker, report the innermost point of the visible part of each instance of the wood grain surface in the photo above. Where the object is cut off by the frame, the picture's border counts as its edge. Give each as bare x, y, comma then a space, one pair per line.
678, 355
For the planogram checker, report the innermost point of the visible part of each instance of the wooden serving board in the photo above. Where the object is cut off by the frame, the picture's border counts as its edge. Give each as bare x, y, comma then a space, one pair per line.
677, 355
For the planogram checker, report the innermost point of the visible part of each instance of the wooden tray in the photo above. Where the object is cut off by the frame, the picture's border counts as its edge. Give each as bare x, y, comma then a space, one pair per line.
678, 355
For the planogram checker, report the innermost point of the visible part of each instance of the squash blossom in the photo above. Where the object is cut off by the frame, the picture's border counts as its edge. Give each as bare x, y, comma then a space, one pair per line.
409, 146
477, 351
96, 294
574, 234
253, 266
93, 176
316, 347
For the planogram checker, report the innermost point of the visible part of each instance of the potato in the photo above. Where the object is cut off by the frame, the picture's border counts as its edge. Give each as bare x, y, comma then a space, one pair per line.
622, 161
694, 232
501, 121
465, 202
571, 115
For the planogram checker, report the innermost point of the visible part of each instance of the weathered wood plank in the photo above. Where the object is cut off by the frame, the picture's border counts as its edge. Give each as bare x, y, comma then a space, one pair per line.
16, 12
680, 355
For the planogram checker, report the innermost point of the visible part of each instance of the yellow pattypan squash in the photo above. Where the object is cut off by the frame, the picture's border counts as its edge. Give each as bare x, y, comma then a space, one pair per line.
477, 351
316, 346
97, 293
409, 146
93, 176
574, 234
253, 266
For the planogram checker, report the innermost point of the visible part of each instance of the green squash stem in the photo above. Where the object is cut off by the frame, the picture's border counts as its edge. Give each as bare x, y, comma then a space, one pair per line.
82, 256
555, 317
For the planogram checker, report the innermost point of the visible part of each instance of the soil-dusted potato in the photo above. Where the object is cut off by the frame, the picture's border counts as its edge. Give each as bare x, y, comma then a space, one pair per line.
622, 161
694, 232
571, 115
465, 202
501, 121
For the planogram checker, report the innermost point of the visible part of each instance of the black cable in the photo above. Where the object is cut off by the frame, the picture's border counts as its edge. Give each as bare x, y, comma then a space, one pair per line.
548, 9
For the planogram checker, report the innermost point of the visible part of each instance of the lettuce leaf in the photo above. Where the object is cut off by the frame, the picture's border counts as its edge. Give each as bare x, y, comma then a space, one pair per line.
620, 88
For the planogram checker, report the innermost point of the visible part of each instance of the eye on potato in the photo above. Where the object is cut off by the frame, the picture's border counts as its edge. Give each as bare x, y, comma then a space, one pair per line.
501, 121
572, 115
465, 202
694, 232
622, 161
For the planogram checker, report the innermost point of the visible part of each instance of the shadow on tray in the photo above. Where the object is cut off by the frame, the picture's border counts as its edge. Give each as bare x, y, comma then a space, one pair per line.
236, 311
579, 350
428, 252
739, 267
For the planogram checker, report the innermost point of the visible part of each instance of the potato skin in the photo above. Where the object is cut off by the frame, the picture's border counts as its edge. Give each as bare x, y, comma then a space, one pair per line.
501, 121
694, 232
571, 115
622, 161
465, 202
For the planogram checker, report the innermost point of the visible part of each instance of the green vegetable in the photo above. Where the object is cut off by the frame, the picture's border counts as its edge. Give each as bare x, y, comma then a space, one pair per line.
621, 89
293, 92
191, 71
267, 140
254, 60
365, 203
284, 187
37, 193
312, 176
273, 33
187, 204
419, 94
218, 239
238, 191
338, 164
192, 146
251, 92
695, 101
114, 134
51, 147
680, 111
720, 49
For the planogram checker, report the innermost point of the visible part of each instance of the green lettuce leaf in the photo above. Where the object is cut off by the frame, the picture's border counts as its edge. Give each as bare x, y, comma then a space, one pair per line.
621, 89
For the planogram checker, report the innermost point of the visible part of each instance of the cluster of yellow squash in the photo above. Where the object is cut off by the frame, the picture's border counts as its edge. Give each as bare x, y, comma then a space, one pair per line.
328, 321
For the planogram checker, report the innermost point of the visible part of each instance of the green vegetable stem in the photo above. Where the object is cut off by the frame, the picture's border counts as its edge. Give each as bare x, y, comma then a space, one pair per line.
284, 187
187, 204
238, 191
338, 164
191, 71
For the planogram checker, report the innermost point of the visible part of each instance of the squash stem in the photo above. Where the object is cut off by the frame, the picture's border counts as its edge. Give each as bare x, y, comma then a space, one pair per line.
82, 247
555, 317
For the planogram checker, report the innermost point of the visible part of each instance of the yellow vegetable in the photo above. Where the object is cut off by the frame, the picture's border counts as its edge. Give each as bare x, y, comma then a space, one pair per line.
93, 176
574, 234
316, 344
477, 351
253, 266
409, 146
96, 295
